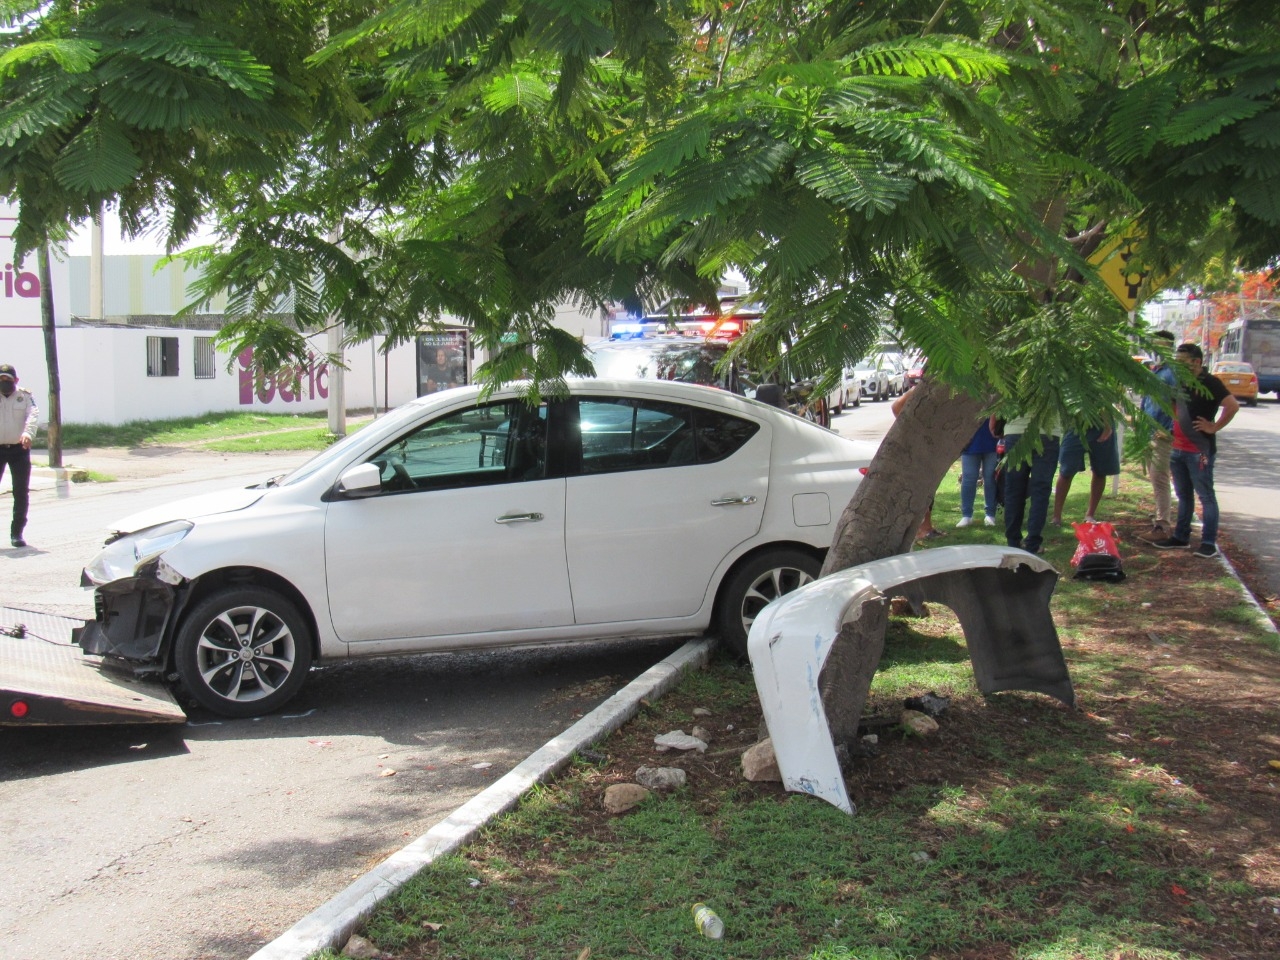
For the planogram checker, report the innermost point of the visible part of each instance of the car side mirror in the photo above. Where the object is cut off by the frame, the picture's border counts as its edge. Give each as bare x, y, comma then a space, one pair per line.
360, 481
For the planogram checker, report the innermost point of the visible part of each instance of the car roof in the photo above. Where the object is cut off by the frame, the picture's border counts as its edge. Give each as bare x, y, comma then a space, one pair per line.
672, 390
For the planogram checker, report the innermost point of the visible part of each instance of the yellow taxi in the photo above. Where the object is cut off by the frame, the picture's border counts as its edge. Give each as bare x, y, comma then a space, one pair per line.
1238, 377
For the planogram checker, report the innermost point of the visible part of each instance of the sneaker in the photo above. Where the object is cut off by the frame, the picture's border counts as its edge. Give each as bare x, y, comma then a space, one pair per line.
1089, 520
965, 521
1170, 543
1205, 551
1055, 522
1156, 533
17, 541
989, 520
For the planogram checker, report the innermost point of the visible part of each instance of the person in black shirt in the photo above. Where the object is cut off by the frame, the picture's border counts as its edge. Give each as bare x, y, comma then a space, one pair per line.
1195, 426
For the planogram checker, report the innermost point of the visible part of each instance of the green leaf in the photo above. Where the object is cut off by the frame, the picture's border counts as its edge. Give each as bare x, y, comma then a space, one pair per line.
73, 56
517, 91
1200, 121
100, 158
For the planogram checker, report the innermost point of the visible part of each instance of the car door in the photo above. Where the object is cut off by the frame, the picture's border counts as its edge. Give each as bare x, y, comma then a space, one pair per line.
658, 494
466, 534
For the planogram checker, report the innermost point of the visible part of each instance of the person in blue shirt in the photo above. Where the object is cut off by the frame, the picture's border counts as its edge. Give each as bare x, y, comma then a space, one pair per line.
1161, 447
979, 457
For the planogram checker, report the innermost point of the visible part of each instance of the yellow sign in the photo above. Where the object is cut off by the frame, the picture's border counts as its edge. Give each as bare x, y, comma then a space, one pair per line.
1112, 260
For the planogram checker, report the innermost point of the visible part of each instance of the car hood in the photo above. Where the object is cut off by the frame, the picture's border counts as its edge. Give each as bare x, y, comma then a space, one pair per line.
190, 508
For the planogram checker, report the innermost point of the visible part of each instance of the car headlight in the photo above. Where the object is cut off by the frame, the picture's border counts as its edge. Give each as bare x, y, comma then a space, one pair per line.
124, 557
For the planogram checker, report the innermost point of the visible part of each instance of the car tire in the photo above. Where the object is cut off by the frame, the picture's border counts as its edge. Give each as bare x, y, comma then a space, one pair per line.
857, 398
763, 578
236, 675
1252, 402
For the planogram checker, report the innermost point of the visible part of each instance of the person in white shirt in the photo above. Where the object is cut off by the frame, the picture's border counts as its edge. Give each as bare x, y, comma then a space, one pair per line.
18, 420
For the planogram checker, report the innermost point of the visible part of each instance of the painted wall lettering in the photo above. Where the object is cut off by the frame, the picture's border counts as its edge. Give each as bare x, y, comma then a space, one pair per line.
289, 384
20, 283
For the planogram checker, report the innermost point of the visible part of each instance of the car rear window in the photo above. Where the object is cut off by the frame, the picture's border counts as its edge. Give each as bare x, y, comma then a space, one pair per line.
626, 433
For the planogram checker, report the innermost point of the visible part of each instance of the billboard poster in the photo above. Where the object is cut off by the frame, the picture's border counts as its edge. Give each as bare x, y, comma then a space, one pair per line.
443, 360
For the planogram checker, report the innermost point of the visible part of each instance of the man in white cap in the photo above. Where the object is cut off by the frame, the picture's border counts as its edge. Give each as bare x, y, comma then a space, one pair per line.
18, 420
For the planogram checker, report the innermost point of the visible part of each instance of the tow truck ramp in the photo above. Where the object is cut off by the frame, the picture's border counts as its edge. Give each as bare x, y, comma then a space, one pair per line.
46, 680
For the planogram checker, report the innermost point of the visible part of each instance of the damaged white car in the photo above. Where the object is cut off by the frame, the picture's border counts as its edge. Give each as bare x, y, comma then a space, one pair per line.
458, 521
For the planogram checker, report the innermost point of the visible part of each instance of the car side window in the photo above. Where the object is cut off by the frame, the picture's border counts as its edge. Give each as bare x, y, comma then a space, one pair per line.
620, 433
492, 443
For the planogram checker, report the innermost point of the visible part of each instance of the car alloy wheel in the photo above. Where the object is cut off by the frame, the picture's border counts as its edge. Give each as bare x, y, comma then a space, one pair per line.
758, 582
243, 652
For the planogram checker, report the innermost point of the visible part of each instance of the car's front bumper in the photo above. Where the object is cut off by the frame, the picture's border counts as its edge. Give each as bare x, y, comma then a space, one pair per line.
133, 620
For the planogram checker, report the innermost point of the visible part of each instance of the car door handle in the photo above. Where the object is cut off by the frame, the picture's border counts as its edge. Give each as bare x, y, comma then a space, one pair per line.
732, 501
519, 518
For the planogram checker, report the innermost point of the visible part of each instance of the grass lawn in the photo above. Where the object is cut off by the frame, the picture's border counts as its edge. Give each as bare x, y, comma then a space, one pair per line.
1142, 825
232, 432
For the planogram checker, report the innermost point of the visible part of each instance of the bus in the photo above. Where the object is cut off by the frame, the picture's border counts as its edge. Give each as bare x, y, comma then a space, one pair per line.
1256, 341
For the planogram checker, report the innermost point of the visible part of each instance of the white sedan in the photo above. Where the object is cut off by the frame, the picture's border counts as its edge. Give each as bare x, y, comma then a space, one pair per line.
458, 521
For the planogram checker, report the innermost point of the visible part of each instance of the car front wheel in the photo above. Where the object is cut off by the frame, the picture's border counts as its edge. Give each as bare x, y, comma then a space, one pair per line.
760, 581
243, 652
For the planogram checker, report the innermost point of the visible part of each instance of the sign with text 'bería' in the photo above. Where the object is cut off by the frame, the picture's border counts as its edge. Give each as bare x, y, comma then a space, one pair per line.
19, 286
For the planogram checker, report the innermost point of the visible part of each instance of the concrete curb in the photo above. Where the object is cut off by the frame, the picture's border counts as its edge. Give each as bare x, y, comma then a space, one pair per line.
1267, 622
330, 925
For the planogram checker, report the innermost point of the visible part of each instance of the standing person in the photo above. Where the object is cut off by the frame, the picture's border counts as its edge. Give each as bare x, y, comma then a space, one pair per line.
1161, 446
1104, 461
18, 421
979, 457
1028, 486
1195, 427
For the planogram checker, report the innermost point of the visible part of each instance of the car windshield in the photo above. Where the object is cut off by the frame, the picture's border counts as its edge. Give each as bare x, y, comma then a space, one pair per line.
1233, 368
387, 422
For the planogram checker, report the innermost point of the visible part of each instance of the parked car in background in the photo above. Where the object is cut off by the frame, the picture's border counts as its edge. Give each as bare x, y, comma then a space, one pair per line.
915, 371
1238, 377
464, 521
851, 384
894, 365
875, 379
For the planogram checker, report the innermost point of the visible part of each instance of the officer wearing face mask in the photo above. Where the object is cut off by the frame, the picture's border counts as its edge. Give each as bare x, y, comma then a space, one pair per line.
18, 420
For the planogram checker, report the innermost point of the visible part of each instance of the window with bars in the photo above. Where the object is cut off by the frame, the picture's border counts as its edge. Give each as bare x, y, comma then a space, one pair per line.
205, 366
162, 356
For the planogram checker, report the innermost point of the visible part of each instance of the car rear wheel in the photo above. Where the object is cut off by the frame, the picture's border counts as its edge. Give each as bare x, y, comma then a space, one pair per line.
243, 652
758, 582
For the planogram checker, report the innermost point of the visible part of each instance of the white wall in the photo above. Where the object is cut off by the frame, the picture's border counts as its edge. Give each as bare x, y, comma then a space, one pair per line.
103, 373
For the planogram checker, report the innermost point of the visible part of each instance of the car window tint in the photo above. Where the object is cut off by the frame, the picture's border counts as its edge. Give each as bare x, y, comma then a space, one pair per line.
630, 434
492, 443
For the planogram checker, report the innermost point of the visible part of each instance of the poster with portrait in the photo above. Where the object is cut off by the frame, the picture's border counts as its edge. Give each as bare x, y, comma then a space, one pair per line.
443, 360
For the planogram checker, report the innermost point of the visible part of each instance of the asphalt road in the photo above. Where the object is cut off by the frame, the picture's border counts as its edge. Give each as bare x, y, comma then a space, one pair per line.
208, 840
1246, 477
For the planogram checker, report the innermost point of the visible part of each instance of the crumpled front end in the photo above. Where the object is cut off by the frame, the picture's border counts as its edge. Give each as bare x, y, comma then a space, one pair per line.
132, 620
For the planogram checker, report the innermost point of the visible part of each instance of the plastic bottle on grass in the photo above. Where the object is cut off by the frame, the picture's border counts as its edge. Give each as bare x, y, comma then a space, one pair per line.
708, 924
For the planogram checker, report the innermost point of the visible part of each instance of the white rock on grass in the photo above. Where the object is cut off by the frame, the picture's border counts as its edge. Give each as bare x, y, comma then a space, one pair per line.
679, 740
661, 778
622, 797
760, 764
918, 722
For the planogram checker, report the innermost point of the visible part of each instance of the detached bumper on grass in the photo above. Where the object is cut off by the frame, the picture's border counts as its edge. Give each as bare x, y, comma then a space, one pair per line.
814, 651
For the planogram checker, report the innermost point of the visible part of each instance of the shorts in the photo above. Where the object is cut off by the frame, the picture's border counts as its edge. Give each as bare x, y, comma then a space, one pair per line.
1104, 455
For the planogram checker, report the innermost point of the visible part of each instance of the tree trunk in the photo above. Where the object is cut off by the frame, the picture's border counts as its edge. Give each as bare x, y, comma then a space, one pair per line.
50, 357
881, 521
882, 518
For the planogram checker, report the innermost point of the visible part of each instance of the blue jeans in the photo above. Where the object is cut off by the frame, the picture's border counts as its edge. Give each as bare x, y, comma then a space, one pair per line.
970, 465
1029, 482
1191, 480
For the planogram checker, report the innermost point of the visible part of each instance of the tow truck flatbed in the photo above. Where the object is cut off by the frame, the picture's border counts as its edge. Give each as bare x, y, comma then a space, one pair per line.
46, 680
